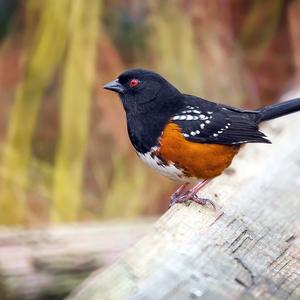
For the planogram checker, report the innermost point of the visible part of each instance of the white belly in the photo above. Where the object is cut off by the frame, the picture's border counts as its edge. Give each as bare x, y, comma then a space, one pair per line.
169, 171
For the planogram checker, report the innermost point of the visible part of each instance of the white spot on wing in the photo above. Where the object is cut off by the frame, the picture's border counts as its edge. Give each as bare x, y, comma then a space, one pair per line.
203, 117
240, 142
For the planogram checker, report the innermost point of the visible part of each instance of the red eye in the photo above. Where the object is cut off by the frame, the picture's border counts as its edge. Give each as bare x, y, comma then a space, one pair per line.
133, 83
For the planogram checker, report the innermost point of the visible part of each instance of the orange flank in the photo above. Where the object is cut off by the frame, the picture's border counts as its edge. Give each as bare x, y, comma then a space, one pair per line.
196, 159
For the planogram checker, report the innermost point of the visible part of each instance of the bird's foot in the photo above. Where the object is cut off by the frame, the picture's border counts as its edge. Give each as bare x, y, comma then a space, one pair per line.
203, 201
174, 199
191, 197
179, 193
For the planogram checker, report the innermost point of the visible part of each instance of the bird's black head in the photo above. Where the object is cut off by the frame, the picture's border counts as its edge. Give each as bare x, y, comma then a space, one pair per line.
142, 90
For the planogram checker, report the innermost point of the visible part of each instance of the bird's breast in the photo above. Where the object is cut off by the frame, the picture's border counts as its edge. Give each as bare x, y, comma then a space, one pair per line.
144, 130
194, 159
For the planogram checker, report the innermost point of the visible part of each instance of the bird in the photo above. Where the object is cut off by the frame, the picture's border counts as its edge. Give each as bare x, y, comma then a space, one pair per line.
184, 137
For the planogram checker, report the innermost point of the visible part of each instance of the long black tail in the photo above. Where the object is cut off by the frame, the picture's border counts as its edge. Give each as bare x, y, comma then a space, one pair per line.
278, 110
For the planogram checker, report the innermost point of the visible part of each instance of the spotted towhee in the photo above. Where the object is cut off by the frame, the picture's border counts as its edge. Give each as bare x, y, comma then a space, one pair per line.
185, 137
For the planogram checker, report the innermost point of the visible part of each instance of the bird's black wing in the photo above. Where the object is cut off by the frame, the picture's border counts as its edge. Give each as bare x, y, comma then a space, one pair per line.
207, 122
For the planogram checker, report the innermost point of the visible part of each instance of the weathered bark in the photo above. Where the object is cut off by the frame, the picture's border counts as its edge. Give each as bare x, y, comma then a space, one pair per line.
247, 249
49, 263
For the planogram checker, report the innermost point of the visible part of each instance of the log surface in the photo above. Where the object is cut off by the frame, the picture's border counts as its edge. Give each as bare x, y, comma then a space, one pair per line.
249, 248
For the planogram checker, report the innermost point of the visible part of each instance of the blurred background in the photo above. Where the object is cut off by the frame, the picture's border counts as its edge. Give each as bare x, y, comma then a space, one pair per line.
64, 151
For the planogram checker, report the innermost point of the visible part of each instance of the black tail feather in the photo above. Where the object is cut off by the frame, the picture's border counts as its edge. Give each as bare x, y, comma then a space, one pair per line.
278, 110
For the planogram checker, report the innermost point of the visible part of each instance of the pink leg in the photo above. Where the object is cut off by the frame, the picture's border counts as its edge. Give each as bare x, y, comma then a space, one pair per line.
180, 190
192, 195
200, 185
178, 193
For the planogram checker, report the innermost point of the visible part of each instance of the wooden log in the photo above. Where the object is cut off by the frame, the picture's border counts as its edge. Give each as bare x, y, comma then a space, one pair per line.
249, 248
49, 263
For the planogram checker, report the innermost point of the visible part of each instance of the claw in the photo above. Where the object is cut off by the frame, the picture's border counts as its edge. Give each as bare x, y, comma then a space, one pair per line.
188, 197
173, 201
204, 201
180, 191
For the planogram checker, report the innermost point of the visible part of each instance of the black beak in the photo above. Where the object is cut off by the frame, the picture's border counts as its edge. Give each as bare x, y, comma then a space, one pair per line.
114, 86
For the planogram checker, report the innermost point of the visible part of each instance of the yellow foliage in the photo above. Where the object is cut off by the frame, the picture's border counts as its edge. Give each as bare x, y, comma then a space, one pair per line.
42, 61
125, 194
192, 44
77, 83
173, 46
264, 23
